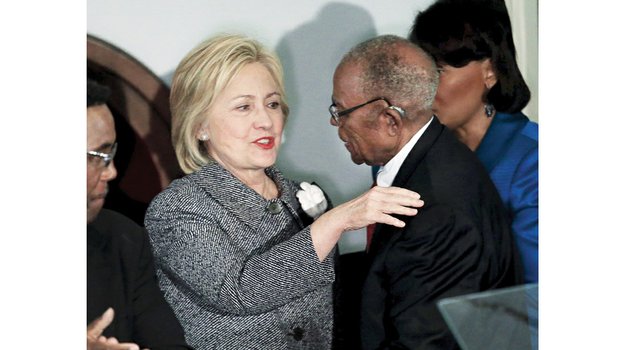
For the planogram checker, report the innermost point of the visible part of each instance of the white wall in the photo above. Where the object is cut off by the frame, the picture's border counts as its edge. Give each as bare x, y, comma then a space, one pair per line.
524, 20
310, 38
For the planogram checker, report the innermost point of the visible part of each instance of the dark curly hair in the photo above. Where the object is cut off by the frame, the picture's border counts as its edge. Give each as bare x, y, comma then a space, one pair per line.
457, 32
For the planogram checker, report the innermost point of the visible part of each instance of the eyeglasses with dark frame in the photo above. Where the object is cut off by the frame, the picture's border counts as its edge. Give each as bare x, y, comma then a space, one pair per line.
337, 115
106, 157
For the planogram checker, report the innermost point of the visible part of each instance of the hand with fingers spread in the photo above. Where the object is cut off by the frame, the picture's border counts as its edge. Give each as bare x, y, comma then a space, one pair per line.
96, 341
377, 205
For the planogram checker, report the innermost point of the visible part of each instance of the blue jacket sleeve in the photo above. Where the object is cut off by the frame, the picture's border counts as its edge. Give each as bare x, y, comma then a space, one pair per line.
524, 208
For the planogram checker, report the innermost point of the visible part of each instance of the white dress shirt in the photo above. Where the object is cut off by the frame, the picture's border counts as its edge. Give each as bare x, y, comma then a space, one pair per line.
387, 173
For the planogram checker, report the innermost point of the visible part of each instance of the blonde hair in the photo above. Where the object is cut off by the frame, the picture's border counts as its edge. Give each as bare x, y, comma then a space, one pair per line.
201, 76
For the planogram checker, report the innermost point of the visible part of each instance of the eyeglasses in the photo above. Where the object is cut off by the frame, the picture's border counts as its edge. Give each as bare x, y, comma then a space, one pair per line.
106, 157
337, 115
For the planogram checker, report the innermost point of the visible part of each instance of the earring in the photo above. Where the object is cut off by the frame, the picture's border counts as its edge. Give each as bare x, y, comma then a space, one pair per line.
489, 110
203, 137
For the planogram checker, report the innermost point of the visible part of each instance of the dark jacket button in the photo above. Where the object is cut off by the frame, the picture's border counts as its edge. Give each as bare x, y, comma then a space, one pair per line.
298, 333
274, 208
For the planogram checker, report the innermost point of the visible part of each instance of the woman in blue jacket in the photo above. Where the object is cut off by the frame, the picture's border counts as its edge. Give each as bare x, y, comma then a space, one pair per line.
480, 97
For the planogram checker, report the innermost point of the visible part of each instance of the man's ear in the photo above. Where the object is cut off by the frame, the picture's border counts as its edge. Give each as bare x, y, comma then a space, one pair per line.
393, 121
488, 73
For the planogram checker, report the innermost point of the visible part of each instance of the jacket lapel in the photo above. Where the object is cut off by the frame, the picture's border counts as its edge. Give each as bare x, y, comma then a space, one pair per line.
417, 154
231, 193
237, 198
385, 233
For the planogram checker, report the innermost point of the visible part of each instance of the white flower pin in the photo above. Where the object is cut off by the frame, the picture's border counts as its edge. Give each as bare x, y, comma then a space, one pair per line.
312, 199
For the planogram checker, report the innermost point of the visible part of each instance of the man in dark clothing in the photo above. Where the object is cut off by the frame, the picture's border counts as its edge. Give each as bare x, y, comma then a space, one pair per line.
460, 241
125, 307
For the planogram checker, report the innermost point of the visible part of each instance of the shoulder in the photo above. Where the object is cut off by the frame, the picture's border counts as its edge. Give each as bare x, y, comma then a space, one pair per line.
112, 221
437, 233
527, 144
524, 147
527, 137
511, 139
118, 229
181, 192
437, 217
452, 162
524, 131
186, 205
531, 131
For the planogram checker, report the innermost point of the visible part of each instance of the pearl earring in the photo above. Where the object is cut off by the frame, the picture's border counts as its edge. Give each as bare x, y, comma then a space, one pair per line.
203, 137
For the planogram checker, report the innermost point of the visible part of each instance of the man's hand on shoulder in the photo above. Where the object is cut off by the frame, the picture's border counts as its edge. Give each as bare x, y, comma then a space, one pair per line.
96, 341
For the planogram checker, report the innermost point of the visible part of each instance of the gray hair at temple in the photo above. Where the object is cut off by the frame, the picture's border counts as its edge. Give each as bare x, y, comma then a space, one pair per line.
388, 73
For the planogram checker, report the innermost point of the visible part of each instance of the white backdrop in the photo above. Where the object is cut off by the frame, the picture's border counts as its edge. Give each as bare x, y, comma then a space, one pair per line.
524, 20
309, 36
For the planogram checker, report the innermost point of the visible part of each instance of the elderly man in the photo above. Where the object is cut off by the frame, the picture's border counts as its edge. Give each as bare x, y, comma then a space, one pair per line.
124, 304
460, 241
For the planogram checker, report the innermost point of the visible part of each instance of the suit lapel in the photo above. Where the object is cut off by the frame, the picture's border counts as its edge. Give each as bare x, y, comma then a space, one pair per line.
384, 234
231, 193
240, 200
417, 154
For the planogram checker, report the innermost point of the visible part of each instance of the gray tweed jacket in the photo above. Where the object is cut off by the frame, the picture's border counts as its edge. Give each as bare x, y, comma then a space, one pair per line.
240, 271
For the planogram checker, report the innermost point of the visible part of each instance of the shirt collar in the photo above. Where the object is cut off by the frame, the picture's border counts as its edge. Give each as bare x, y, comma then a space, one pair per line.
387, 173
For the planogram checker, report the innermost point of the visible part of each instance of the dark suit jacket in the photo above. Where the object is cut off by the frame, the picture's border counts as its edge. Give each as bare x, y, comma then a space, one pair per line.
460, 242
120, 274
